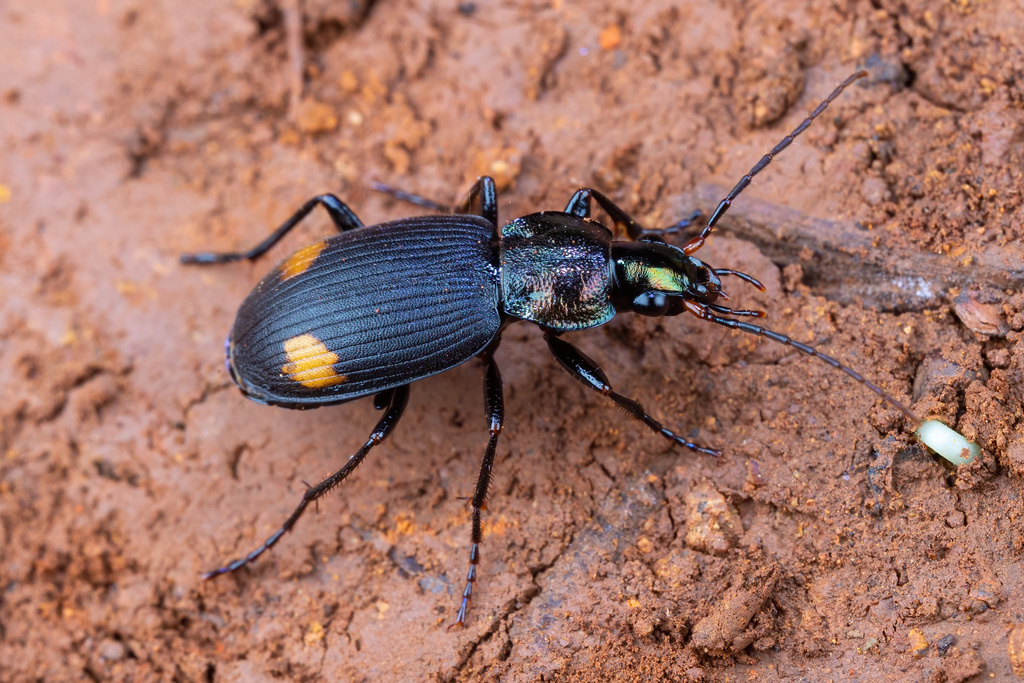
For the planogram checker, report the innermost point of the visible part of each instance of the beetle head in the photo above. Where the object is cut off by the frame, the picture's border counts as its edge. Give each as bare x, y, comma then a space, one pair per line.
654, 278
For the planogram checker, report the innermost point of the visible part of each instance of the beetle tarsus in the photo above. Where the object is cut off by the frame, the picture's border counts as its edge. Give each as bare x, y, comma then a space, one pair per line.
208, 257
495, 405
682, 224
410, 198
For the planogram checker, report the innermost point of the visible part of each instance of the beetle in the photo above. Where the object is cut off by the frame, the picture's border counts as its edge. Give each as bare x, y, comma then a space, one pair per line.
375, 308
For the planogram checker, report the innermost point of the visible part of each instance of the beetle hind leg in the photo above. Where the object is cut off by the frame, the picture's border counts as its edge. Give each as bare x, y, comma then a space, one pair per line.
396, 400
587, 371
496, 412
482, 199
342, 217
410, 198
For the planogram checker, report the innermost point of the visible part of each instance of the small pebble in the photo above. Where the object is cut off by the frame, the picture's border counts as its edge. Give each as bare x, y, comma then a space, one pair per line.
918, 644
979, 317
112, 650
610, 37
644, 626
712, 524
315, 117
1014, 457
874, 191
955, 519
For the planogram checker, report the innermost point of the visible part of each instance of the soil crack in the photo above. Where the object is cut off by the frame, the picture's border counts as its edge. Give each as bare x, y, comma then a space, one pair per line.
516, 604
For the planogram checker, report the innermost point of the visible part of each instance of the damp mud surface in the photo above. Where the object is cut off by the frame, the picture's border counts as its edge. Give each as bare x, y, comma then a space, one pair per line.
825, 544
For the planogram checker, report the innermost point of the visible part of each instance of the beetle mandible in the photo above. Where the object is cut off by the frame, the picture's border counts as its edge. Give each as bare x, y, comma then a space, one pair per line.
375, 308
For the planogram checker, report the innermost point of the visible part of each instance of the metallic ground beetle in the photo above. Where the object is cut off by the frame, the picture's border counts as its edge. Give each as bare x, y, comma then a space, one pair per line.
376, 308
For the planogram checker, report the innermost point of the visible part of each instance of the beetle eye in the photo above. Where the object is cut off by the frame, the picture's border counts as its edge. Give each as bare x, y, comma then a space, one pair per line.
651, 303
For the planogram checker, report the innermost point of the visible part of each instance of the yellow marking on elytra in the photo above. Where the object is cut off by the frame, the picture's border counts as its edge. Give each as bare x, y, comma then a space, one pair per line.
299, 262
310, 362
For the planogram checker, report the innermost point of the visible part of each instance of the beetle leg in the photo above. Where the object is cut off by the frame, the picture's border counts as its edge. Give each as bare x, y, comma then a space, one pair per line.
587, 371
482, 199
495, 405
579, 206
411, 198
342, 216
579, 203
398, 398
681, 225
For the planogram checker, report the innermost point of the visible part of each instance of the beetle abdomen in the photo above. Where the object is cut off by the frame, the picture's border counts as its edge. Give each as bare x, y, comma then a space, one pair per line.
368, 310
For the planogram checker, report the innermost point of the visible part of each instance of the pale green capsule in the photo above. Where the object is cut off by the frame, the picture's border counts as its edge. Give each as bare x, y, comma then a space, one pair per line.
947, 443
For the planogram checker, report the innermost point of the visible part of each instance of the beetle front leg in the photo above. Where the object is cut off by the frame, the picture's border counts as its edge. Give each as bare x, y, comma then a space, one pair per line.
495, 405
395, 400
587, 371
342, 216
579, 205
482, 199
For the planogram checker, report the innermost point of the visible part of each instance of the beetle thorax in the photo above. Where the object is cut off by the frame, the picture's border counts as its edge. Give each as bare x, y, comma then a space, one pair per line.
556, 271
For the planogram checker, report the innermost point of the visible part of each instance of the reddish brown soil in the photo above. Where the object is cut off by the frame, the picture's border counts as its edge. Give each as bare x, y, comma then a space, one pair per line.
824, 545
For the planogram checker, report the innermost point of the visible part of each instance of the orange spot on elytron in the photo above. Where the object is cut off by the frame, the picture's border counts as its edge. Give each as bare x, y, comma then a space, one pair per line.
300, 261
310, 363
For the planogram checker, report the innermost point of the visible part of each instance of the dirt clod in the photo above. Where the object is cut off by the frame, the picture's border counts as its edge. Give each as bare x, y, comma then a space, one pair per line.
315, 117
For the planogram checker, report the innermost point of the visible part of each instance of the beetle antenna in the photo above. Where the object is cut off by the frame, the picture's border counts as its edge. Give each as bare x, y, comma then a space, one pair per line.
738, 313
697, 242
705, 313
